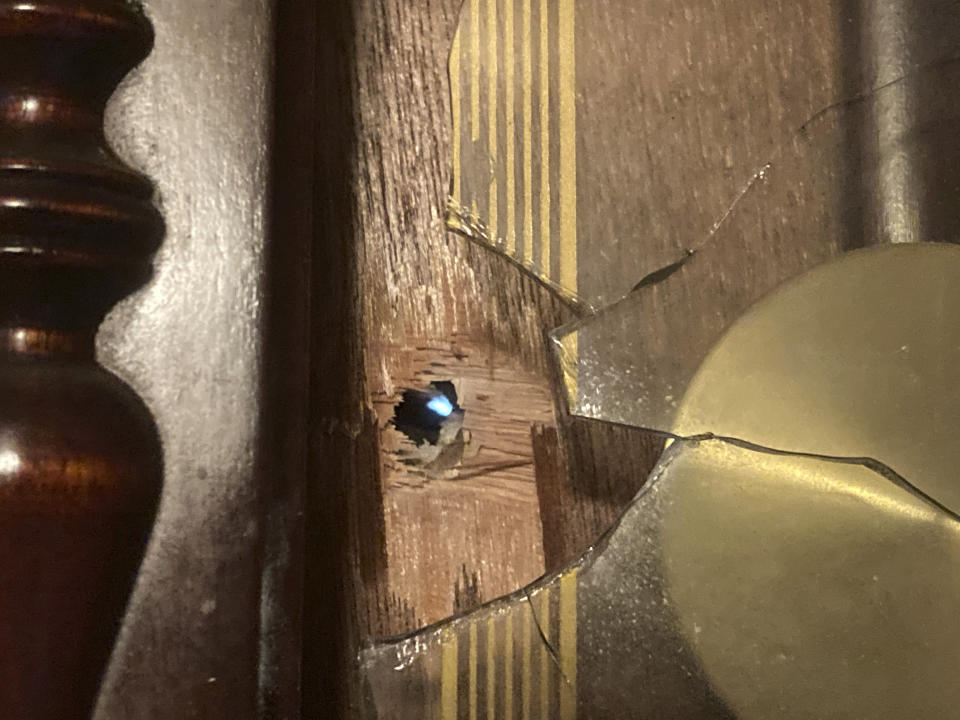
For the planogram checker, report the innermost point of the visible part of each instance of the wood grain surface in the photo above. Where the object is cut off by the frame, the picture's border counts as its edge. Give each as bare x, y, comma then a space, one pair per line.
716, 90
387, 549
394, 273
392, 297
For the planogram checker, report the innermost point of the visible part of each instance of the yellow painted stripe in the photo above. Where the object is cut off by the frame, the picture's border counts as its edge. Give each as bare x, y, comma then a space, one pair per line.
493, 107
475, 70
509, 66
473, 670
568, 645
545, 659
525, 629
527, 44
455, 103
491, 667
508, 668
448, 676
568, 146
544, 139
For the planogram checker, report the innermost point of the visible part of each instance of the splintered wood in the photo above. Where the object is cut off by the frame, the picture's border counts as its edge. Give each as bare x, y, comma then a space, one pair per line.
473, 522
434, 303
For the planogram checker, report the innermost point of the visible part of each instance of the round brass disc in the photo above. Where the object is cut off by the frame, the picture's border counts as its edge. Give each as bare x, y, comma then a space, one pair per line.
857, 358
809, 587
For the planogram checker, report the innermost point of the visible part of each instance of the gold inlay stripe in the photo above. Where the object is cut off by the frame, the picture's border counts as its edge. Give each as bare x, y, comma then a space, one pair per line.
493, 106
545, 660
527, 48
491, 667
472, 670
568, 146
455, 102
525, 678
568, 645
448, 676
508, 668
509, 64
544, 138
475, 70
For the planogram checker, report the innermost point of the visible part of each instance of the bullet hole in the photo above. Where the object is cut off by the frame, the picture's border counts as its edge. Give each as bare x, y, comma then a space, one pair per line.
432, 420
429, 416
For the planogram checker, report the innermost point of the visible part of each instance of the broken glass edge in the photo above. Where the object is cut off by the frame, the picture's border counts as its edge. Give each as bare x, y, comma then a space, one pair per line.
466, 224
462, 221
868, 264
675, 445
407, 649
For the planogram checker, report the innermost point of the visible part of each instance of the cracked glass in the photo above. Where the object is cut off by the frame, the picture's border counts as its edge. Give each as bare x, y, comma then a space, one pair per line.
740, 583
786, 323
815, 200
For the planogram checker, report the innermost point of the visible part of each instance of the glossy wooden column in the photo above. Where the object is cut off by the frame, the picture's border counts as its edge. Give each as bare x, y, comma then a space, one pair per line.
80, 461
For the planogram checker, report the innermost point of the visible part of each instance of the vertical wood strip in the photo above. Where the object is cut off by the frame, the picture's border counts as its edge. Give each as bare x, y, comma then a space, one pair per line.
475, 70
493, 108
544, 138
568, 645
568, 145
448, 676
525, 630
491, 668
472, 670
555, 496
508, 667
527, 49
455, 102
509, 65
545, 659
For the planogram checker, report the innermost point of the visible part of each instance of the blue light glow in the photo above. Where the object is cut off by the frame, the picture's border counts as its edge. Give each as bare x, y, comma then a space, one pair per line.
441, 405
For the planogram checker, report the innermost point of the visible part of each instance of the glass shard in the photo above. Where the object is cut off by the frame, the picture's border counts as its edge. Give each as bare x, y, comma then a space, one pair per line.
793, 553
591, 151
856, 359
739, 584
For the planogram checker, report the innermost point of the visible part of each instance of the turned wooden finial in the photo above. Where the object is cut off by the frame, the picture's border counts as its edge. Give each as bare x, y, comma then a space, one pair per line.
77, 225
80, 461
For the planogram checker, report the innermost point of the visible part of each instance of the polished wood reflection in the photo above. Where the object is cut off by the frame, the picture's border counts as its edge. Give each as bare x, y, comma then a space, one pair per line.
80, 459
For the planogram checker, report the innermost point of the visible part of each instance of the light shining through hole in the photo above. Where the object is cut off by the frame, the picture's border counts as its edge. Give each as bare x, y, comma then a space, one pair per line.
441, 405
9, 462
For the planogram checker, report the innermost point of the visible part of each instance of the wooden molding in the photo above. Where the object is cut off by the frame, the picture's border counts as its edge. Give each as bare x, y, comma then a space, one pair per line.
80, 459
